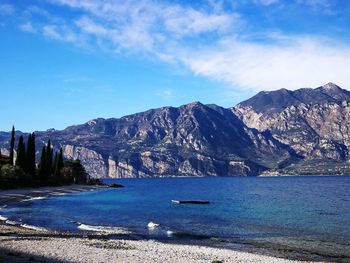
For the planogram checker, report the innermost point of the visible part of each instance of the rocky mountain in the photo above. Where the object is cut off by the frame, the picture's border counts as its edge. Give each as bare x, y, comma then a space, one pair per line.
194, 139
295, 132
314, 122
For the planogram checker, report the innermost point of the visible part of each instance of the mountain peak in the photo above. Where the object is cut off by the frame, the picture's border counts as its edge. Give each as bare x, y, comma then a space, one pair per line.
194, 104
274, 101
331, 86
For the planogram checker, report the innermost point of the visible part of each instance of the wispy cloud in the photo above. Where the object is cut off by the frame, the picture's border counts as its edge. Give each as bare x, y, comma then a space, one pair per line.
27, 27
266, 2
208, 41
73, 79
165, 94
293, 63
7, 9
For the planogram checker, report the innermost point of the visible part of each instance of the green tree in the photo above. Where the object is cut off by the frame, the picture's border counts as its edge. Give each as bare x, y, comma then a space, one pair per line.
12, 177
12, 145
21, 154
60, 163
54, 165
27, 155
31, 156
74, 172
43, 166
49, 153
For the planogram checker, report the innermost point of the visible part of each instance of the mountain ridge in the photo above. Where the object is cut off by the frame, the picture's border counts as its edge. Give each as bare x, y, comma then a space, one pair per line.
268, 133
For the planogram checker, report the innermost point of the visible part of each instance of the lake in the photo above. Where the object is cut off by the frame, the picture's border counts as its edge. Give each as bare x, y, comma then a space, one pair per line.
308, 217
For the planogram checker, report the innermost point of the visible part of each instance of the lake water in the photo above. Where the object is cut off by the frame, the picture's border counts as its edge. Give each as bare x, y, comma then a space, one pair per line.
308, 217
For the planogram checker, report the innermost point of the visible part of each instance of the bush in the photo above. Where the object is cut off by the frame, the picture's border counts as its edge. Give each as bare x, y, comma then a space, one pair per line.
13, 176
74, 172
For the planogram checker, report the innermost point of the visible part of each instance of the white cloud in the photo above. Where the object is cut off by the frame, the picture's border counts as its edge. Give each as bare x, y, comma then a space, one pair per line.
294, 63
61, 33
206, 41
266, 2
50, 31
27, 27
7, 9
165, 94
315, 3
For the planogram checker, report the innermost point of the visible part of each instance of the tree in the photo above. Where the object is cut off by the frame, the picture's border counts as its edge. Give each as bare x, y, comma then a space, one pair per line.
59, 163
43, 166
30, 155
21, 154
54, 165
49, 158
12, 145
74, 172
27, 155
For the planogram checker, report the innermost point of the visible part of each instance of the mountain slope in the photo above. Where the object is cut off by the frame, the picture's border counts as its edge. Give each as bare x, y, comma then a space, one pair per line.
306, 131
193, 139
314, 122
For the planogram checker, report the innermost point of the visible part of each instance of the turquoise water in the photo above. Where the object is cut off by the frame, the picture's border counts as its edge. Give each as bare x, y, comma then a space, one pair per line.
308, 215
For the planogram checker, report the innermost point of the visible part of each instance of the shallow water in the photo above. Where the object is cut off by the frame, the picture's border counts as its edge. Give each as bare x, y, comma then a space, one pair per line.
310, 215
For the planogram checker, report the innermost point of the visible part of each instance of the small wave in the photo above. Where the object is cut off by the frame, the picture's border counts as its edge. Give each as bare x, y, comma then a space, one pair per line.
169, 233
152, 225
35, 198
58, 193
37, 228
12, 223
104, 229
2, 218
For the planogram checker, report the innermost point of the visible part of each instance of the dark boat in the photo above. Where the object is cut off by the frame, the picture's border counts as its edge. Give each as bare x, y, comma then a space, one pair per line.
194, 202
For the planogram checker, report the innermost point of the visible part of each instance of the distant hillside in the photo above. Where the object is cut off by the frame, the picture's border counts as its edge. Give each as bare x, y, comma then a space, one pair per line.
314, 122
273, 132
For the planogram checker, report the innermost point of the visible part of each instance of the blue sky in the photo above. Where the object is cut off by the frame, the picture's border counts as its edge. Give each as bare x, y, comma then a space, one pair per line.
65, 62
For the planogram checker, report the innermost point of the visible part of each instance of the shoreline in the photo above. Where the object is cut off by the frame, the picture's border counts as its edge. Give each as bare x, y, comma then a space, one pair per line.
16, 195
20, 243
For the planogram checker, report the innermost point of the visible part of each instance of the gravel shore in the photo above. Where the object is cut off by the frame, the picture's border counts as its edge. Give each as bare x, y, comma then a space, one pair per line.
19, 244
24, 245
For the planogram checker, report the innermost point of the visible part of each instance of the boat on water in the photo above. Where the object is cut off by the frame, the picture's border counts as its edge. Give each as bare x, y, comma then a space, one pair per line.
194, 202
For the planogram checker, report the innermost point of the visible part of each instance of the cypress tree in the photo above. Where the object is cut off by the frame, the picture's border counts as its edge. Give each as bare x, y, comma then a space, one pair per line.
27, 154
54, 165
43, 166
60, 163
21, 154
30, 156
12, 145
49, 158
32, 164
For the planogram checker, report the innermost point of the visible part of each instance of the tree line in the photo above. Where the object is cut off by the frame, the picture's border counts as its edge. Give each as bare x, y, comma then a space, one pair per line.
51, 169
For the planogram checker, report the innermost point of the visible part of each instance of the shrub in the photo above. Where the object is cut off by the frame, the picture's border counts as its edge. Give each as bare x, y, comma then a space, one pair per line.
13, 176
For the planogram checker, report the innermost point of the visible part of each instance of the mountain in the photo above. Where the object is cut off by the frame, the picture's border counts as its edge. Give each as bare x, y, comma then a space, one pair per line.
314, 122
194, 139
305, 131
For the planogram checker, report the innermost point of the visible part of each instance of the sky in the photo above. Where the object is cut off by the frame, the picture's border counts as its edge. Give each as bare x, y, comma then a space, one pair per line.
64, 62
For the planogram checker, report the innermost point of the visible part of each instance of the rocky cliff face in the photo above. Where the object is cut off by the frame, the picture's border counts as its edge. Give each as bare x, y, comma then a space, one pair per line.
273, 132
194, 140
314, 122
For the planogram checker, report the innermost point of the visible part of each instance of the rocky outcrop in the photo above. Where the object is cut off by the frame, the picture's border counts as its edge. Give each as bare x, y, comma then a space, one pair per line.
314, 122
92, 161
271, 133
192, 140
315, 126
